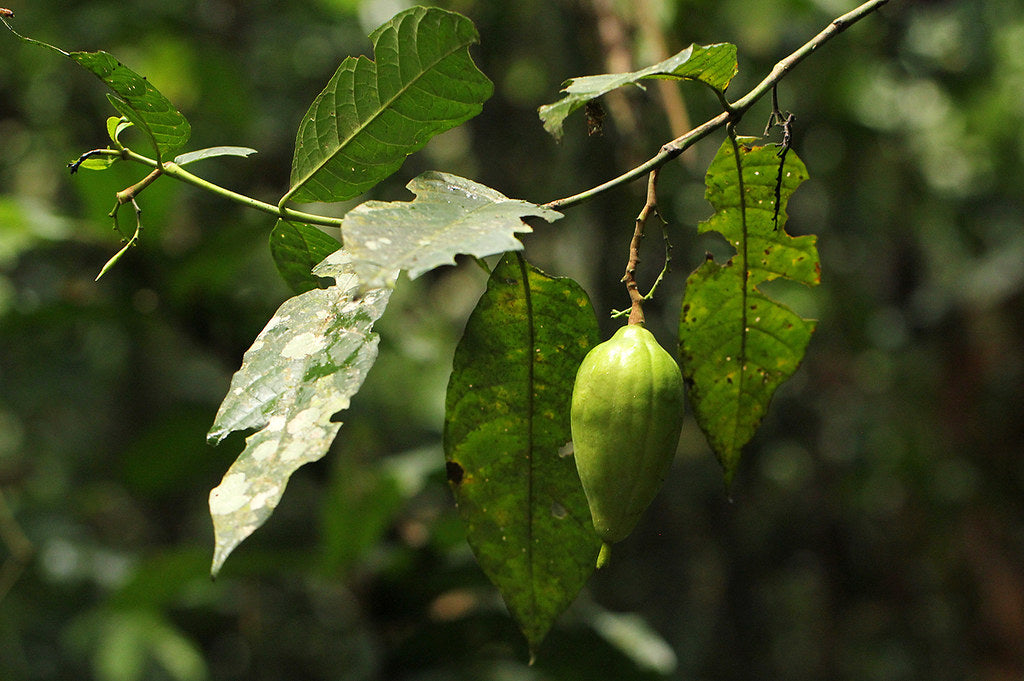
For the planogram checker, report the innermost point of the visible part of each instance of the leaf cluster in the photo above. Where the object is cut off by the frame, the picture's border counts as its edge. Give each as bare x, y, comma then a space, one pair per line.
506, 440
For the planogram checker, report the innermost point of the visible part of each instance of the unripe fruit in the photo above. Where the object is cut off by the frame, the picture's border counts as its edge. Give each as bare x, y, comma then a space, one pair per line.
627, 411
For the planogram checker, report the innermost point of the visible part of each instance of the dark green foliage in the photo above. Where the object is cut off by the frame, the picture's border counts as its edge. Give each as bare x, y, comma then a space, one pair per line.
297, 248
736, 344
871, 532
373, 114
506, 438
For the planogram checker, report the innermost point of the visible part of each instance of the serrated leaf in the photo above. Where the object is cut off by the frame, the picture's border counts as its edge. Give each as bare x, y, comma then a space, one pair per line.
373, 114
505, 437
297, 248
212, 152
450, 215
302, 369
737, 345
713, 65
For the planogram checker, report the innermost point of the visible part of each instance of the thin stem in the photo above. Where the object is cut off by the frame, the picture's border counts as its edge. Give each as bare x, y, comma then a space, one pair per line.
636, 311
130, 193
733, 112
177, 172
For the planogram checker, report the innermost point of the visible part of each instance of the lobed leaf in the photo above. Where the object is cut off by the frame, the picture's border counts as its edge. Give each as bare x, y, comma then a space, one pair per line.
505, 438
450, 215
713, 65
373, 114
737, 345
297, 248
302, 369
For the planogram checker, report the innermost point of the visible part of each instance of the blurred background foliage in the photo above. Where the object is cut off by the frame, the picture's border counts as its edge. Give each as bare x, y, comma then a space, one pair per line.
876, 527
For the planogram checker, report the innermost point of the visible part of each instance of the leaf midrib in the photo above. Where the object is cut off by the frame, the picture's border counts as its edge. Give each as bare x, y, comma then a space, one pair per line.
363, 126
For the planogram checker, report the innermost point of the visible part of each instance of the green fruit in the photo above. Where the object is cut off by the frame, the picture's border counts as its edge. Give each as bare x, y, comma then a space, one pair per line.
627, 411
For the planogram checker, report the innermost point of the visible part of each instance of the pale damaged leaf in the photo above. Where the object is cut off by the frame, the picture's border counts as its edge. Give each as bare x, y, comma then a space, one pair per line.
302, 369
450, 215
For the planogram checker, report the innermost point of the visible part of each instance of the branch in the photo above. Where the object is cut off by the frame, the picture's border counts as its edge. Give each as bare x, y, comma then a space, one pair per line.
733, 112
636, 299
170, 169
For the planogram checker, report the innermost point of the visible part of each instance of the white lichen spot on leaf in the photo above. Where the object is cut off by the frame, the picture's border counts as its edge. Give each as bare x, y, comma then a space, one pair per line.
303, 345
230, 495
264, 451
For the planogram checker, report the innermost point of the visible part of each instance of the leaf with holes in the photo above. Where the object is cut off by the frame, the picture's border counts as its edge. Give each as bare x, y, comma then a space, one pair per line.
737, 345
450, 215
373, 114
302, 369
505, 436
713, 65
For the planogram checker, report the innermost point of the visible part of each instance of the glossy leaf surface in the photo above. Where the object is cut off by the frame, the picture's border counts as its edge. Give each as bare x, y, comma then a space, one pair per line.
136, 99
212, 152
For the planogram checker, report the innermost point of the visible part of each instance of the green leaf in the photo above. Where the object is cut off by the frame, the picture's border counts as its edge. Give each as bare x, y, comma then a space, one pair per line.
133, 97
98, 162
713, 65
506, 435
138, 101
296, 248
736, 344
126, 640
372, 114
302, 369
450, 215
115, 126
212, 152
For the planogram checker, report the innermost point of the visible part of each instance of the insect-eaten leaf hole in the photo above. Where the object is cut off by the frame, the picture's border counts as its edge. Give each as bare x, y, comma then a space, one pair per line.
454, 472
